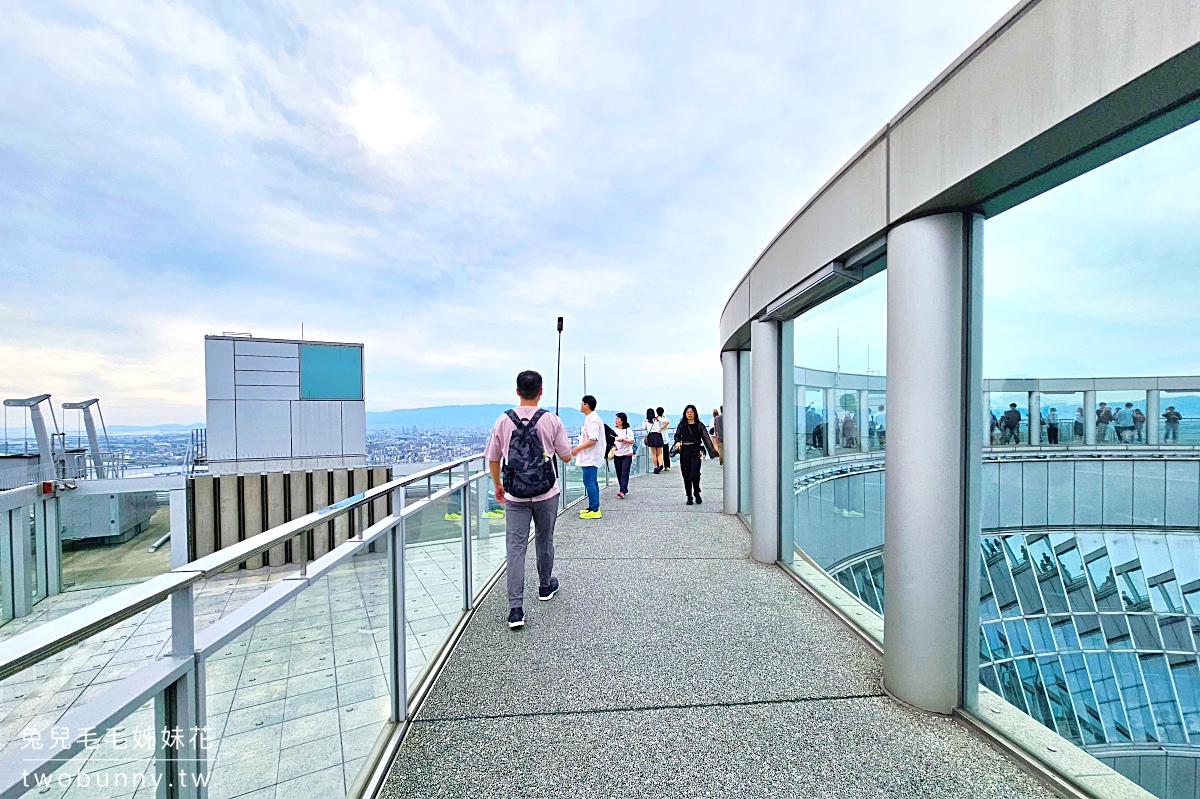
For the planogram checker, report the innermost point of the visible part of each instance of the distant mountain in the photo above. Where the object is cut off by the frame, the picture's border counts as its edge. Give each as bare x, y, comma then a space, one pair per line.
469, 417
154, 428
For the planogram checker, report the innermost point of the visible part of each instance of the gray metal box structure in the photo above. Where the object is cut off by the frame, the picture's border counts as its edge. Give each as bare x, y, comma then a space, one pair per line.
278, 405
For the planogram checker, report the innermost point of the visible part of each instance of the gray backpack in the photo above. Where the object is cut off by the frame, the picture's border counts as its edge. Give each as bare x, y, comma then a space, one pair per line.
528, 470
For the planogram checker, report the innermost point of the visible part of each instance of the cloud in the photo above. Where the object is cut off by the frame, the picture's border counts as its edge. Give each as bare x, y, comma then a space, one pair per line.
87, 55
295, 229
439, 180
386, 117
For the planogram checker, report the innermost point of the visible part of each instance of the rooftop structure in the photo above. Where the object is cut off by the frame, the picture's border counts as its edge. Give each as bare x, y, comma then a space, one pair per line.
277, 405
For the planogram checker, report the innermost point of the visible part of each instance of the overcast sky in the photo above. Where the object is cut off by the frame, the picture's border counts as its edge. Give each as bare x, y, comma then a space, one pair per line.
438, 181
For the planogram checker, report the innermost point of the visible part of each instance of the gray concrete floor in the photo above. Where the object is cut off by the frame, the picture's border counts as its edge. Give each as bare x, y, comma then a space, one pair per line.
671, 665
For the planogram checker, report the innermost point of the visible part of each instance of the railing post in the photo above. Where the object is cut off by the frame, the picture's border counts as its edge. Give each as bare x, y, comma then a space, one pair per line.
468, 581
1153, 400
178, 715
1089, 418
398, 672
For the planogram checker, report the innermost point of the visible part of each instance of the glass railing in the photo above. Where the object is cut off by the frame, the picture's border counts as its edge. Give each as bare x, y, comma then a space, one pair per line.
284, 680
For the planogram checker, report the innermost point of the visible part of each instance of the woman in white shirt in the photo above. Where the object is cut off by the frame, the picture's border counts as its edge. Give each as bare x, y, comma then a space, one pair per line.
654, 439
623, 453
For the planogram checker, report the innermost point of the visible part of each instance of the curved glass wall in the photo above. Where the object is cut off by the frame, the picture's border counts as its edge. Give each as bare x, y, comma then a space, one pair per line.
1090, 510
840, 417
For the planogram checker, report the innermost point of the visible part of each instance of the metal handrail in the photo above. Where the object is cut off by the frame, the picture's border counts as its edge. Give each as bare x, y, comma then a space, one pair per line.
39, 643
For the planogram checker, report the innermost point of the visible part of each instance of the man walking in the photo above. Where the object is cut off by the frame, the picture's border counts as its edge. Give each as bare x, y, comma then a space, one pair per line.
590, 452
881, 426
1052, 426
522, 439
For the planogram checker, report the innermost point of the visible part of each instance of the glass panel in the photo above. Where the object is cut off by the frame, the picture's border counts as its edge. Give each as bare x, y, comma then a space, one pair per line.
573, 480
1179, 418
298, 700
1091, 560
433, 582
1120, 417
487, 534
329, 372
837, 514
99, 549
1062, 418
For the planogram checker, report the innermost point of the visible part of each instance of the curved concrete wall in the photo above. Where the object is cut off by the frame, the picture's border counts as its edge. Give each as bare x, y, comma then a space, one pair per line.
1054, 89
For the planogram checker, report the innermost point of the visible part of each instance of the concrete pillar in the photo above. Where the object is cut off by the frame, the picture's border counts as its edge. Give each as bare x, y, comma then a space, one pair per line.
178, 510
985, 414
276, 515
864, 422
829, 439
931, 525
341, 490
1034, 406
204, 515
729, 447
1153, 400
252, 515
230, 529
320, 499
764, 428
1089, 418
297, 507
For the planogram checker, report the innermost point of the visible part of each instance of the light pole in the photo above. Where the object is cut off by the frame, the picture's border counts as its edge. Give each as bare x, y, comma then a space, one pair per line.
558, 368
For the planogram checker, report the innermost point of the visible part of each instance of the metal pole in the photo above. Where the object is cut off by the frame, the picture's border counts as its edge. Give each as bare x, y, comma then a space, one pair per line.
396, 621
468, 580
558, 367
764, 427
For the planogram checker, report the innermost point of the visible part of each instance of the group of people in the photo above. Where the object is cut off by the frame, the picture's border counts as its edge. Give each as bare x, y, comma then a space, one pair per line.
847, 431
1128, 423
520, 454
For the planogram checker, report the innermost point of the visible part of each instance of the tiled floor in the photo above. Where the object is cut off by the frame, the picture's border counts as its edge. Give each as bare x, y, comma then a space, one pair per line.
294, 705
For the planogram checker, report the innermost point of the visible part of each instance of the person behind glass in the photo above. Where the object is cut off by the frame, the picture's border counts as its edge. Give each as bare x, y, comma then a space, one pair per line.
881, 426
663, 424
1139, 424
718, 433
1172, 418
1104, 417
1078, 427
623, 453
653, 440
690, 436
589, 454
1011, 422
1124, 423
1052, 426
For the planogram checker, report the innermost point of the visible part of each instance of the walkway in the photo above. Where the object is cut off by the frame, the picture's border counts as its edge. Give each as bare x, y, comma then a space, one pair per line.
670, 665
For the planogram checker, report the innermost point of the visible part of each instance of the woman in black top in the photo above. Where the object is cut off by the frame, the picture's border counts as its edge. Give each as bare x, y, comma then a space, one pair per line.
690, 436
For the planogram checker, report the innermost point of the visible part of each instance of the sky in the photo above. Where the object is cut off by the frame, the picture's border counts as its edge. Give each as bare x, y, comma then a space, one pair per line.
436, 180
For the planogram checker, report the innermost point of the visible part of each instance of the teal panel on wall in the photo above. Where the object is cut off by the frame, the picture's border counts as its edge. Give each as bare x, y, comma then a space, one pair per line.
330, 372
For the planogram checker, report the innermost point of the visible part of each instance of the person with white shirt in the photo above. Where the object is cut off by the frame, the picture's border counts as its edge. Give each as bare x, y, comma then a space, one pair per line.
589, 454
653, 440
663, 423
881, 426
623, 453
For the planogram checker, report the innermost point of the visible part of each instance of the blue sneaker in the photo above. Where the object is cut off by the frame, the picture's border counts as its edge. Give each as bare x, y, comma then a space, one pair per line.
516, 619
548, 591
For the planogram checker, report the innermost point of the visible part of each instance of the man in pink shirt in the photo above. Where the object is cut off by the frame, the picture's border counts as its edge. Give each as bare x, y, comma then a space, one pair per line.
541, 509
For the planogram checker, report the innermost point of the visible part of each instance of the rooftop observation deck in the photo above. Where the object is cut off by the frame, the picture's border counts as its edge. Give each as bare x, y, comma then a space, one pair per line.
671, 664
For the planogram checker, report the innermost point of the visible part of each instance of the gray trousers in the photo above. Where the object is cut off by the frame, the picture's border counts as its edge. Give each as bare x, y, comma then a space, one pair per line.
517, 516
